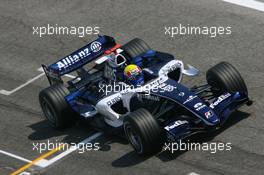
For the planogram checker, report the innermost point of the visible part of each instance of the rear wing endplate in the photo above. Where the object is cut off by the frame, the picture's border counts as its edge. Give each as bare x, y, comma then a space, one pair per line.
52, 76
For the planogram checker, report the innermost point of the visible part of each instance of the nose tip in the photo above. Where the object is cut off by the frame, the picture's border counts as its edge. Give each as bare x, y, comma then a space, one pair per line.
215, 120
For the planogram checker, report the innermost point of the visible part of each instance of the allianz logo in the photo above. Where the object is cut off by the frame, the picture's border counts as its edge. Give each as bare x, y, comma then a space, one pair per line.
74, 58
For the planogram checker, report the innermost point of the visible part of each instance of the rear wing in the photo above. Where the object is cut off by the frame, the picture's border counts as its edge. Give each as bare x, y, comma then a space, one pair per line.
78, 58
53, 76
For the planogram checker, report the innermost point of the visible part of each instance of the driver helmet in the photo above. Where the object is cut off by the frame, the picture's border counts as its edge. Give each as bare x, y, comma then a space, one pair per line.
134, 74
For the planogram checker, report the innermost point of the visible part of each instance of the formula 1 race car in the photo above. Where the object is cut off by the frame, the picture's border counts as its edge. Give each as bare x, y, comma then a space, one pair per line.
160, 109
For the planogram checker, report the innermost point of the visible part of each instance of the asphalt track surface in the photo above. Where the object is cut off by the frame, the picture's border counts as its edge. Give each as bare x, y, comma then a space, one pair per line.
22, 53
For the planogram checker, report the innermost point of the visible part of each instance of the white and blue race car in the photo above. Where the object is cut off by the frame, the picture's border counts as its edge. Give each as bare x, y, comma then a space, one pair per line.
160, 110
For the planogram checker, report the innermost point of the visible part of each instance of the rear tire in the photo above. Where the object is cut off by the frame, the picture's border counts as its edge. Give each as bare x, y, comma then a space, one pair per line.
143, 132
225, 78
135, 47
55, 108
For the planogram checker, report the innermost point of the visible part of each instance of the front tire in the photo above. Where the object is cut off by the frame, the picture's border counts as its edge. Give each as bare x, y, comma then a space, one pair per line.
143, 132
224, 77
136, 47
55, 108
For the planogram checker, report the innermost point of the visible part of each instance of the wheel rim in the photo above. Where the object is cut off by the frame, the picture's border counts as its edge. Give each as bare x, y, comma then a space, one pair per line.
134, 138
49, 112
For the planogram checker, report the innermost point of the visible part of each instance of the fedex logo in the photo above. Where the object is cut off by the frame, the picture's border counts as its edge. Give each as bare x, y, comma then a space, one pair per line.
176, 124
219, 100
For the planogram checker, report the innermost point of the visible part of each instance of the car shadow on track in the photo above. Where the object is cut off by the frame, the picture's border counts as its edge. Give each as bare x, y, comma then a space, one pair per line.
131, 158
43, 131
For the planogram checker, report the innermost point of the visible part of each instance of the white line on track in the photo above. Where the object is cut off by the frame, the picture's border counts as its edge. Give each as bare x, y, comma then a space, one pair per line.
67, 75
70, 76
73, 148
43, 163
6, 92
254, 4
14, 156
25, 173
192, 173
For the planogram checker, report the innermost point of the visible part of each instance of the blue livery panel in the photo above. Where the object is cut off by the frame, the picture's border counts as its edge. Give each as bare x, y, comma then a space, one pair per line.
180, 94
82, 56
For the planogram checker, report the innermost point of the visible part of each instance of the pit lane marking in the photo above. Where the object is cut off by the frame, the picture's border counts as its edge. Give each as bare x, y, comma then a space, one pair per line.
73, 148
7, 92
14, 156
192, 173
253, 4
25, 173
45, 163
37, 160
41, 163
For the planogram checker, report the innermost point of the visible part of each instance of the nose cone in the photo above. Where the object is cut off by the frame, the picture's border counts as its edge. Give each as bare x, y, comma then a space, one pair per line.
215, 120
212, 117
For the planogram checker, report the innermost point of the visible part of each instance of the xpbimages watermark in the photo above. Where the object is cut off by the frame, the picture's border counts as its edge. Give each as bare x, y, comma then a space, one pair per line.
210, 31
212, 147
79, 31
80, 147
124, 88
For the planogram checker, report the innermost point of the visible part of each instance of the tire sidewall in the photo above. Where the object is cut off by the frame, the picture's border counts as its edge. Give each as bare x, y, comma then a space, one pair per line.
54, 97
127, 124
224, 77
147, 129
43, 100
